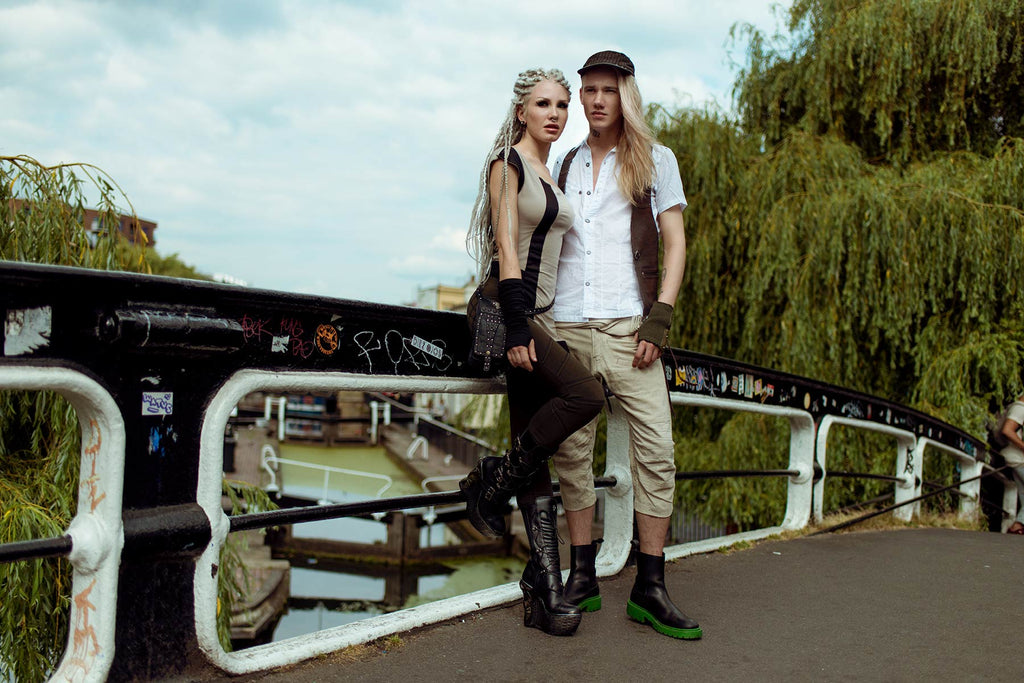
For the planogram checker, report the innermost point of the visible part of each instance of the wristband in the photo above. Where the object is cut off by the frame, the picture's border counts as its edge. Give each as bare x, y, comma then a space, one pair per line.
655, 328
513, 310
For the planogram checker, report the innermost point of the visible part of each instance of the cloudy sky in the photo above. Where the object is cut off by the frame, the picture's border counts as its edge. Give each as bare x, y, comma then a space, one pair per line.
330, 148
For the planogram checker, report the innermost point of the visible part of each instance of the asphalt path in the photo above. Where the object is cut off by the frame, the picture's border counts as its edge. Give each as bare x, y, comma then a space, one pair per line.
904, 605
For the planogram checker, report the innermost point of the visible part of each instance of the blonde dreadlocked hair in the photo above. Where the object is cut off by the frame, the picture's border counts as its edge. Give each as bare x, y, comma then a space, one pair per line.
480, 238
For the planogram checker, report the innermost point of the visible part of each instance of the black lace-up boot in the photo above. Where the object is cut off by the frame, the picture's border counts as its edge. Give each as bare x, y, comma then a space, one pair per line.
649, 601
543, 604
581, 587
494, 480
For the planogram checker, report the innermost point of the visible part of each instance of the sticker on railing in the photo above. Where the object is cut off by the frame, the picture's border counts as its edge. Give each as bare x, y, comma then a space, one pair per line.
157, 403
326, 339
426, 347
26, 330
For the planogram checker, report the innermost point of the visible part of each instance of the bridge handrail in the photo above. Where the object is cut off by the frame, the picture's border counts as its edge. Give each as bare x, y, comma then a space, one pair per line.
618, 530
212, 344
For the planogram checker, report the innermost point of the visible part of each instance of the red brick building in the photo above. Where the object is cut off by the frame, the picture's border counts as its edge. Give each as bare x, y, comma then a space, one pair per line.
135, 229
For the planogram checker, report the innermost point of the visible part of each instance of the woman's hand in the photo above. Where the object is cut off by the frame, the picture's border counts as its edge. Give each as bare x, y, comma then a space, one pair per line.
521, 356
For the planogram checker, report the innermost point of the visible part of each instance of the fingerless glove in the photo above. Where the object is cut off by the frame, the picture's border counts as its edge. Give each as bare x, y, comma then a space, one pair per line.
655, 328
513, 310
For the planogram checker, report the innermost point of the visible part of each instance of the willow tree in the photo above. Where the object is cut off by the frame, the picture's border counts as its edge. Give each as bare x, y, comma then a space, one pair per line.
859, 222
42, 212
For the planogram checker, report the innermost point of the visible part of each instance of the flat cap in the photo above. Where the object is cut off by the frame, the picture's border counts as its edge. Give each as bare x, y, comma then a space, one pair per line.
615, 60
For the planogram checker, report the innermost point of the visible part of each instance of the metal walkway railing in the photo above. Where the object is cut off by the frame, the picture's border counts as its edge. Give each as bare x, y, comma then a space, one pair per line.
155, 366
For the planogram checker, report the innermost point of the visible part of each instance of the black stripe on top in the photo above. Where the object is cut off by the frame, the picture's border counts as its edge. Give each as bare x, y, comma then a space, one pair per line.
531, 275
515, 161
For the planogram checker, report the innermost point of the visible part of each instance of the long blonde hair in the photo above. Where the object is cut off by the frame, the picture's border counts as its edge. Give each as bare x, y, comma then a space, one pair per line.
480, 238
634, 150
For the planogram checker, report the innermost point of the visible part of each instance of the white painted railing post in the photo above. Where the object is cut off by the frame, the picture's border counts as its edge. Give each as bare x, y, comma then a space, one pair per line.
282, 404
969, 469
97, 534
910, 470
618, 507
971, 490
906, 443
800, 488
374, 421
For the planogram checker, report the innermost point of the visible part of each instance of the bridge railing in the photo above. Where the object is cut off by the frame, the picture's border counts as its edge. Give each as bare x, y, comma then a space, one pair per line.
150, 511
95, 535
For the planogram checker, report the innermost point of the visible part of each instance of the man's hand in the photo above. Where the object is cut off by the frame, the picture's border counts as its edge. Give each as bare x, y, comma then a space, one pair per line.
646, 353
652, 335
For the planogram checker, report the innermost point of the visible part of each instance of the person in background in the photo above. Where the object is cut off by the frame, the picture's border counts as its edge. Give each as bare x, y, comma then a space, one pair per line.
1013, 454
516, 235
625, 191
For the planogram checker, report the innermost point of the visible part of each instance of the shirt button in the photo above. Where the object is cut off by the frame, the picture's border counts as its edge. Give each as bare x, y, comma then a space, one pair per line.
586, 220
588, 164
588, 284
588, 191
588, 252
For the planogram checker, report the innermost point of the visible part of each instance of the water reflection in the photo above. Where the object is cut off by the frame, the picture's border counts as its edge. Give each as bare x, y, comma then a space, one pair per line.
327, 593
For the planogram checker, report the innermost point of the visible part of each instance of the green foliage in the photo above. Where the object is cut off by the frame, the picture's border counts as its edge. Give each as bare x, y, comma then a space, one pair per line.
41, 220
42, 210
861, 224
41, 214
899, 79
173, 266
39, 445
747, 441
233, 579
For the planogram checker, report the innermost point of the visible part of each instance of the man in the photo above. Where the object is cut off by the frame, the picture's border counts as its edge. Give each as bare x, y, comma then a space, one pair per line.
625, 190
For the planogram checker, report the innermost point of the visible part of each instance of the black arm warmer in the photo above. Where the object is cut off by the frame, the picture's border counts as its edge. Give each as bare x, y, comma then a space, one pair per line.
513, 309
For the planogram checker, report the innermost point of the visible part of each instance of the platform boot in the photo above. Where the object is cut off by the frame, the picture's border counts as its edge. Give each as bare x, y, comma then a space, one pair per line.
494, 480
650, 603
581, 587
543, 604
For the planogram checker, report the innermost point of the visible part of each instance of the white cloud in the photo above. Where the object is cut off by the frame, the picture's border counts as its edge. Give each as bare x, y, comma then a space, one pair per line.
324, 147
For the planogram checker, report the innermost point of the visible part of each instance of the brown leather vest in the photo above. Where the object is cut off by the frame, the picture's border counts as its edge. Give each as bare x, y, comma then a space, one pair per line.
643, 238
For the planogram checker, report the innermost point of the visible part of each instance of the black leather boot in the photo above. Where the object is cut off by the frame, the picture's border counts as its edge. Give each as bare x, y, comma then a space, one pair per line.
581, 587
543, 604
494, 480
649, 601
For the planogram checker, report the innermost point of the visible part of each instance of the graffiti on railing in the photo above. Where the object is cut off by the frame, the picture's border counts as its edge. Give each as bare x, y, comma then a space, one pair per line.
90, 451
703, 380
415, 352
85, 644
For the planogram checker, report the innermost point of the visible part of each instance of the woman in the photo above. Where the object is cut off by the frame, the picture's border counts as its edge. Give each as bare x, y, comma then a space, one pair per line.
516, 236
1013, 454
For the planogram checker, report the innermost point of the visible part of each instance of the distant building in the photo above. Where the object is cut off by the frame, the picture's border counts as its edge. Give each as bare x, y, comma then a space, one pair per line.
136, 230
445, 297
226, 279
132, 227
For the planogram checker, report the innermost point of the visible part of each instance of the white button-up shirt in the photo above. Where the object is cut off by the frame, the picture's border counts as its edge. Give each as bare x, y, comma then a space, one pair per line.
596, 276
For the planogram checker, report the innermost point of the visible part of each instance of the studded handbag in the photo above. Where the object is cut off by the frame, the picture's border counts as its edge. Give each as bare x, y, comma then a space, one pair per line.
487, 328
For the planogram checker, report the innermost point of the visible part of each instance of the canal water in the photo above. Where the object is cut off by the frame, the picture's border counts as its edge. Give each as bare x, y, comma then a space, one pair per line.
322, 595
